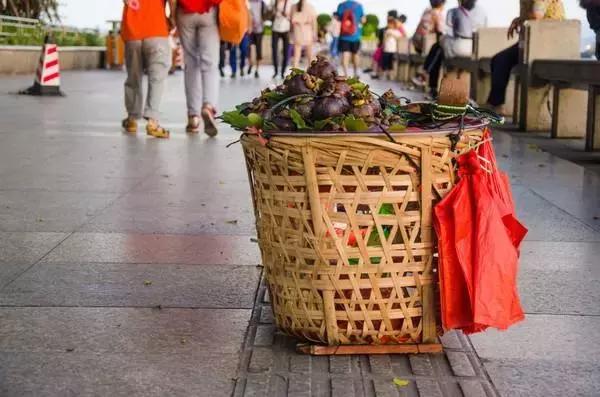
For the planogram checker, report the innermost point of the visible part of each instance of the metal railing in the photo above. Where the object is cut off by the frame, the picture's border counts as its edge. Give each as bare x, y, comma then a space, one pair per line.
26, 29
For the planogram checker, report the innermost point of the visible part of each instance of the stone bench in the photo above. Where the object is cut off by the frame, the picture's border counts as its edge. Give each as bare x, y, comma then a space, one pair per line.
546, 40
576, 88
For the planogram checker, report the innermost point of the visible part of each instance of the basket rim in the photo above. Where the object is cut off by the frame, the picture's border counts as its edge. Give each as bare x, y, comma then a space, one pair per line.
454, 130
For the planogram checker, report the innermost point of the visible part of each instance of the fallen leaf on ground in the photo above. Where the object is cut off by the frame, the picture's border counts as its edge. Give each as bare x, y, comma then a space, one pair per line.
401, 382
147, 283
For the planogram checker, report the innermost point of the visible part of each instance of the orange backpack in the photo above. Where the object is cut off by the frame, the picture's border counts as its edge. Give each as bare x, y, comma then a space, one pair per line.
233, 20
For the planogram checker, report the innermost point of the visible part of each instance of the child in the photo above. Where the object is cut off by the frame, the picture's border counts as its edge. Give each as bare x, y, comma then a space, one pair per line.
391, 36
145, 30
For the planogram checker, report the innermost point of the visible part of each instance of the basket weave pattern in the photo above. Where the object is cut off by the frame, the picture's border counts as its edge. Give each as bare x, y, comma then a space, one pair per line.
345, 230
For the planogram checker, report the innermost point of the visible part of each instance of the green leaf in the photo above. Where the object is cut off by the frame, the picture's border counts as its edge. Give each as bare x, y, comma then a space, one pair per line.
274, 96
355, 125
236, 119
352, 80
397, 128
298, 120
269, 126
358, 86
387, 209
401, 382
321, 124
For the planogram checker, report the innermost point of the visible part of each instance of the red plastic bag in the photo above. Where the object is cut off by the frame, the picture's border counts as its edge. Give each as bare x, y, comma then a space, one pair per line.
479, 237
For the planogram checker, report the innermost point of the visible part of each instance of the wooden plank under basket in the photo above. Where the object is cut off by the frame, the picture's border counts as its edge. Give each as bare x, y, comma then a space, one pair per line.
345, 230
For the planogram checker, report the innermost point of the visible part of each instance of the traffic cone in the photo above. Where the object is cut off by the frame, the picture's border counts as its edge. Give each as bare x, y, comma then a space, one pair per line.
47, 77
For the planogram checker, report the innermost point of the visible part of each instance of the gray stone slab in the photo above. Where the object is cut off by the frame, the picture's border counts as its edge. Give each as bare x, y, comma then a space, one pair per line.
44, 211
206, 249
167, 214
27, 247
134, 285
11, 270
546, 222
560, 278
121, 330
543, 356
137, 374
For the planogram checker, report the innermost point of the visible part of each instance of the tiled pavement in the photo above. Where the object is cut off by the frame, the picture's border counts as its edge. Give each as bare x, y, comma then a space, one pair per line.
128, 268
271, 367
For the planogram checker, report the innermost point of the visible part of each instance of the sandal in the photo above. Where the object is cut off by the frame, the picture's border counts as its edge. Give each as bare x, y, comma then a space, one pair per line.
155, 130
130, 125
193, 125
210, 124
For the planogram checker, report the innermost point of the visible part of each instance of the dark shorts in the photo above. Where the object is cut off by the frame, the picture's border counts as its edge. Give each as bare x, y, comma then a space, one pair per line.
348, 46
387, 61
256, 40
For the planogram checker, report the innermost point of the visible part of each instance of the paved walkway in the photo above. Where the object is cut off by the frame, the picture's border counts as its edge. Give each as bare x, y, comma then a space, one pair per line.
128, 268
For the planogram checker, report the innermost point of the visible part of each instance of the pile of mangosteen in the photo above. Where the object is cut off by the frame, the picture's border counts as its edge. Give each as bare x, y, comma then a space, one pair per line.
319, 100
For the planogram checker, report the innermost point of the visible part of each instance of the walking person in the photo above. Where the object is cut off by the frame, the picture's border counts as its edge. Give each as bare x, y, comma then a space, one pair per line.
352, 18
145, 30
282, 24
199, 33
333, 28
304, 30
503, 62
258, 12
243, 50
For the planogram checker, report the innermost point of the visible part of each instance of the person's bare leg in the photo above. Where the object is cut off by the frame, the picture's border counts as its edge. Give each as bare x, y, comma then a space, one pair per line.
345, 62
309, 54
355, 63
297, 55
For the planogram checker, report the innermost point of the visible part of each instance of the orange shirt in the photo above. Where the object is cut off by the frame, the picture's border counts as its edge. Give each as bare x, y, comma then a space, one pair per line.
149, 20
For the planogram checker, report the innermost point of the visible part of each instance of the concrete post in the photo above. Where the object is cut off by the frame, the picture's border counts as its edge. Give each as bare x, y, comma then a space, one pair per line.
592, 141
544, 40
568, 106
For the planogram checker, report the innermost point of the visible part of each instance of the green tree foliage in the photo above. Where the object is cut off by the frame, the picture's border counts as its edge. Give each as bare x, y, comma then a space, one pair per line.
46, 10
323, 20
371, 25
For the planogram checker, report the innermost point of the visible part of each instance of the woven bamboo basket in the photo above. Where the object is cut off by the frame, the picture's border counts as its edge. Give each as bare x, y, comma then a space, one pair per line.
344, 225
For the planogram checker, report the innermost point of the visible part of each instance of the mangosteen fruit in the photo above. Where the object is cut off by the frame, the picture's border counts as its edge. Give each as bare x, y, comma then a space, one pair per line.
283, 123
342, 87
305, 109
322, 68
299, 84
363, 112
330, 106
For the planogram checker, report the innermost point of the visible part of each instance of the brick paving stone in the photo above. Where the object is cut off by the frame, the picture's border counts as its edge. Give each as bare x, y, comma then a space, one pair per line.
342, 387
385, 387
266, 315
299, 386
460, 363
472, 388
261, 361
265, 335
300, 364
380, 364
340, 364
256, 387
421, 365
429, 388
451, 340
